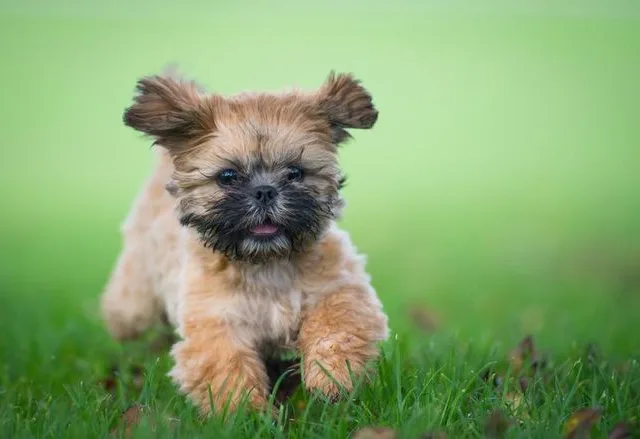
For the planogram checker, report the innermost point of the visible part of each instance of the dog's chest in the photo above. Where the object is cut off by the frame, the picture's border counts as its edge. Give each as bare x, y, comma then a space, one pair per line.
270, 303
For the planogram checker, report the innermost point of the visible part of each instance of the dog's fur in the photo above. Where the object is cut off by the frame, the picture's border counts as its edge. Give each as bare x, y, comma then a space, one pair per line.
237, 298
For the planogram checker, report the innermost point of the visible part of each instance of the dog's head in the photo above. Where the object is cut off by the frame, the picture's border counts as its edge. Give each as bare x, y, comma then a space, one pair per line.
255, 174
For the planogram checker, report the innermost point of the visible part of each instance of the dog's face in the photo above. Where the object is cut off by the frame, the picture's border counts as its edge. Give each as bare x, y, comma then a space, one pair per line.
255, 174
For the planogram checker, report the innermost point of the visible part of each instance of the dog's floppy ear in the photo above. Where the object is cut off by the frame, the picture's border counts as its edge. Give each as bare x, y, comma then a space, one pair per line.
168, 109
347, 104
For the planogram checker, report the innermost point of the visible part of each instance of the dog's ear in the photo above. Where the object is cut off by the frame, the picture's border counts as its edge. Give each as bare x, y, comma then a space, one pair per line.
347, 104
170, 110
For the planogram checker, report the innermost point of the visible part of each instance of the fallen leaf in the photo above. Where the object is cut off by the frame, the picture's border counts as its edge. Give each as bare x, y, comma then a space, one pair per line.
437, 435
620, 431
514, 400
592, 354
375, 433
133, 414
489, 376
423, 318
524, 384
496, 425
624, 367
581, 422
523, 352
109, 382
129, 419
134, 380
538, 363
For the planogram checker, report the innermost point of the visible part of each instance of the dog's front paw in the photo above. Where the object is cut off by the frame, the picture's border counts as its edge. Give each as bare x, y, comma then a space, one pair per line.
216, 380
331, 372
326, 384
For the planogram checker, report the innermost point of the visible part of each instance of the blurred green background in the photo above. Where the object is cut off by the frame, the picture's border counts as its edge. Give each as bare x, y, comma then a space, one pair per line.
500, 188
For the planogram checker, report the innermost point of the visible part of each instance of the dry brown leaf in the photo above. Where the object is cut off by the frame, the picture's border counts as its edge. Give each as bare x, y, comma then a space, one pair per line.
423, 318
620, 431
592, 354
624, 367
109, 382
492, 378
374, 433
538, 363
523, 352
496, 425
129, 419
513, 400
526, 355
524, 384
133, 414
581, 422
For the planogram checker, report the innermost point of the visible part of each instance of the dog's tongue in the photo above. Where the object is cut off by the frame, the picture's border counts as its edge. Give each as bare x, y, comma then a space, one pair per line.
264, 229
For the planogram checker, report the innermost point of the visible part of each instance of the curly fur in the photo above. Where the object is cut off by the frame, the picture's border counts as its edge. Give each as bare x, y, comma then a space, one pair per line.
236, 298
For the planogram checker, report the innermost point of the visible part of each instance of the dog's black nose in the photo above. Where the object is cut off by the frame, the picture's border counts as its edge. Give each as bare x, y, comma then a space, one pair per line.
265, 194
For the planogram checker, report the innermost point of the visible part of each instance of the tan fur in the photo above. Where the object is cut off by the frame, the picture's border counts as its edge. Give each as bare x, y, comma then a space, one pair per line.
231, 314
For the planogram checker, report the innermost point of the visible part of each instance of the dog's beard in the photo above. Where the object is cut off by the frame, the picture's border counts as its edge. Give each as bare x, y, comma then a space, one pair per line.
299, 215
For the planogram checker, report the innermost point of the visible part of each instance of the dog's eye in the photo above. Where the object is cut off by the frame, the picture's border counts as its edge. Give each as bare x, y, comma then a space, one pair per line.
294, 173
227, 177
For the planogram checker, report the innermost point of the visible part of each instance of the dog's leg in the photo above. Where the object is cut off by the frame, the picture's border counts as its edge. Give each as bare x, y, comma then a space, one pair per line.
216, 368
339, 335
128, 304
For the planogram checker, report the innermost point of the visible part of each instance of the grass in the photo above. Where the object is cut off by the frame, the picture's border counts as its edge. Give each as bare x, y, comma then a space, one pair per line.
418, 388
499, 191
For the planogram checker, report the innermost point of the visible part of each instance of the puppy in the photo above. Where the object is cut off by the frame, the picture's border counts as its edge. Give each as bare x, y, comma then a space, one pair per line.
234, 239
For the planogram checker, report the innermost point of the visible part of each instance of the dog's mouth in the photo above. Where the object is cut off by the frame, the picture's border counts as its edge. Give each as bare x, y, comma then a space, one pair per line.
264, 230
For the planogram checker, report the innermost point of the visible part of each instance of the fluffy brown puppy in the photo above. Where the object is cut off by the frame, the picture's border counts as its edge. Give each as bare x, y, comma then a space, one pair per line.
234, 239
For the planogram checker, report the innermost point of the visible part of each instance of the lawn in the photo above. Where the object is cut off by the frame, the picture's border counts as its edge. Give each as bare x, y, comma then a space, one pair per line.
498, 197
